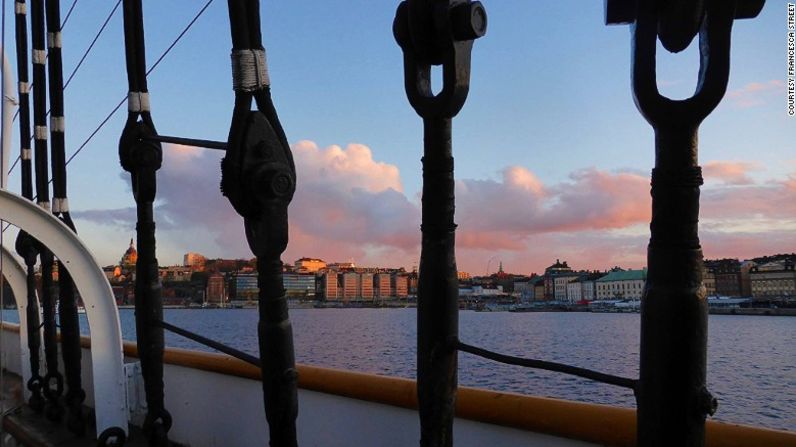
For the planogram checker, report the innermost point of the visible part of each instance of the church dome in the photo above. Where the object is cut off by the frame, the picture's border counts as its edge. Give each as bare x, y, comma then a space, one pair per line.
130, 256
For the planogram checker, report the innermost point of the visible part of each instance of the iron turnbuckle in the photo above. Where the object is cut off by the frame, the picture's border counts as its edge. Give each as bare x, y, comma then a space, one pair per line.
438, 32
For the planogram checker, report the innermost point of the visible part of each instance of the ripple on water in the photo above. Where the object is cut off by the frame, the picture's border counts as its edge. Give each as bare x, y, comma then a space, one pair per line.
751, 367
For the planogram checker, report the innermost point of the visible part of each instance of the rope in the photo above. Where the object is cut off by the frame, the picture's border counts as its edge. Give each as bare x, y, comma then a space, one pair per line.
249, 70
123, 99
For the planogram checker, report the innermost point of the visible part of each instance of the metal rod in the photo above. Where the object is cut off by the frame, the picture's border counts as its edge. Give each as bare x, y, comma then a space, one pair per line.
208, 144
53, 383
34, 333
672, 394
143, 159
434, 33
278, 363
437, 289
240, 355
549, 366
149, 310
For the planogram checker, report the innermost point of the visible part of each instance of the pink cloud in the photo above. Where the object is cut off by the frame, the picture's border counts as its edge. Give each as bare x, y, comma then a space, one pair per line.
729, 172
350, 206
591, 199
774, 199
352, 167
754, 93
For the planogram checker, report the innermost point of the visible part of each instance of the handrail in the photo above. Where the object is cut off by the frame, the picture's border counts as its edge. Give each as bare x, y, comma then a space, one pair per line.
596, 423
101, 311
16, 276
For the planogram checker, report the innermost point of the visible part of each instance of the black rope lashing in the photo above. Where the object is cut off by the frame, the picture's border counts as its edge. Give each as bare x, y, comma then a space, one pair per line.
71, 351
53, 382
26, 246
240, 355
142, 159
258, 176
549, 366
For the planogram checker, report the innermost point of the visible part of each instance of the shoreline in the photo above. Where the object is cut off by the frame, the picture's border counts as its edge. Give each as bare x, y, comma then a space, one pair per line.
774, 312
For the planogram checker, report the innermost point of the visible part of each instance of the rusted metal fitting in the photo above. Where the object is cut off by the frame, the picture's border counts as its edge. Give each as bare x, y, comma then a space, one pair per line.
708, 403
468, 21
428, 28
259, 171
679, 21
438, 32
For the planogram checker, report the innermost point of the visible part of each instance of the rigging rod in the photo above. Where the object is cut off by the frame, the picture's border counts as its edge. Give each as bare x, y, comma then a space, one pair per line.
240, 355
672, 394
208, 144
71, 350
258, 176
25, 245
53, 380
549, 366
437, 32
143, 159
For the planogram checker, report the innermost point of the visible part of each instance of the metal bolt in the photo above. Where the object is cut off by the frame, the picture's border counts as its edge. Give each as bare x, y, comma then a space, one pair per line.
281, 184
708, 402
469, 21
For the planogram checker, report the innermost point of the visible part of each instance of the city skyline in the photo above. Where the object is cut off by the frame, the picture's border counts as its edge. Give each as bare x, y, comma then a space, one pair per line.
552, 158
194, 259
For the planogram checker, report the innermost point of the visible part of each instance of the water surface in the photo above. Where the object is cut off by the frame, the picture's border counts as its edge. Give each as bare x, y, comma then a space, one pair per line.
750, 368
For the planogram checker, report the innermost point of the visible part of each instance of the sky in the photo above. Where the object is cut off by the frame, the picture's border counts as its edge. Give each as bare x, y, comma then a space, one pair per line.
552, 157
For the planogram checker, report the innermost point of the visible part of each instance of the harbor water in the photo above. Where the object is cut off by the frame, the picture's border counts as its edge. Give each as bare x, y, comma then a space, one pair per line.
751, 363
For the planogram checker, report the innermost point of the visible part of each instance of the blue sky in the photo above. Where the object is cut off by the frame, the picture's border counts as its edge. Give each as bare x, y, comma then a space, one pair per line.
550, 111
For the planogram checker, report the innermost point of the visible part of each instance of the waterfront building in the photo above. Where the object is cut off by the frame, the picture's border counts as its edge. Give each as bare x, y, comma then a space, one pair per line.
524, 290
400, 285
245, 286
350, 286
328, 286
463, 276
574, 290
560, 283
195, 261
589, 284
621, 284
774, 280
727, 274
175, 273
110, 272
299, 285
550, 273
709, 281
341, 266
538, 288
308, 265
216, 290
382, 285
746, 281
366, 286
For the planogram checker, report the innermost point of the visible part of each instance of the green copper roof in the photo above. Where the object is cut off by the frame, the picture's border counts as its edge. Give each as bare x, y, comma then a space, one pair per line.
627, 275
